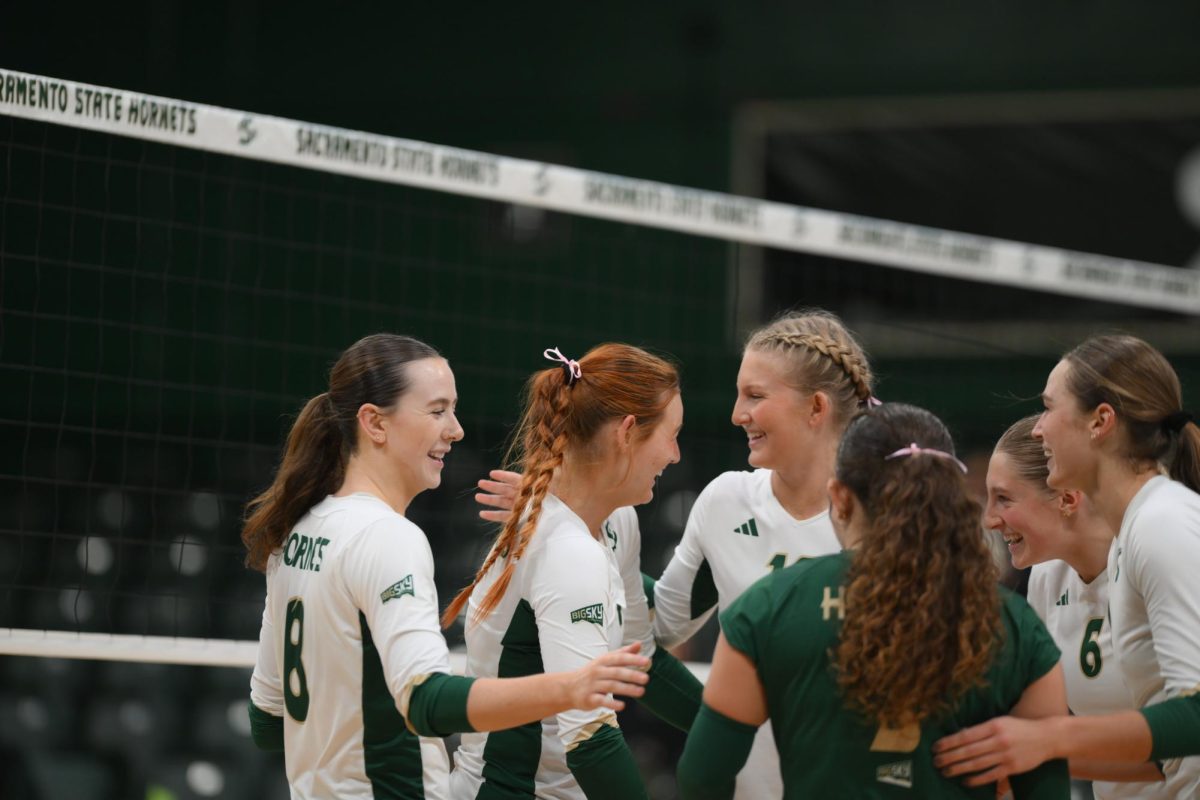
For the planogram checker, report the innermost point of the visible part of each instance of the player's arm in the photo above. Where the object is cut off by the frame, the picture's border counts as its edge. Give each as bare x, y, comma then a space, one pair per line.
1170, 729
570, 599
686, 595
389, 573
266, 705
673, 693
721, 737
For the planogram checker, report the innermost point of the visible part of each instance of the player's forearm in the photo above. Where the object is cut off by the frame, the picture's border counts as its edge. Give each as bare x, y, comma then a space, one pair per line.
673, 693
1095, 770
1174, 727
499, 703
1124, 736
265, 729
716, 750
604, 768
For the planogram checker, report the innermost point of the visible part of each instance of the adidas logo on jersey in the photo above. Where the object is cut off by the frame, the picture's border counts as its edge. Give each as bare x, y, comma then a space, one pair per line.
1064, 600
899, 773
748, 528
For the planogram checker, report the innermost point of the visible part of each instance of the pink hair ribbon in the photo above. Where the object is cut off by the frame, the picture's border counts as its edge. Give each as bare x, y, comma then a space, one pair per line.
570, 366
916, 450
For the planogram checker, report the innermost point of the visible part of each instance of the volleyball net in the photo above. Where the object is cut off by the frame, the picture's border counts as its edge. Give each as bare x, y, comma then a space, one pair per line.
177, 279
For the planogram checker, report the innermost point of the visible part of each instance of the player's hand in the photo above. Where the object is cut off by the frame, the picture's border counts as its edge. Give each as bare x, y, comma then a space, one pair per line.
619, 672
499, 493
996, 749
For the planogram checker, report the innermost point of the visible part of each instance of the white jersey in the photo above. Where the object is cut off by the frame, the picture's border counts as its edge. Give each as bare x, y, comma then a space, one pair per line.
1154, 604
565, 605
736, 533
350, 626
1076, 614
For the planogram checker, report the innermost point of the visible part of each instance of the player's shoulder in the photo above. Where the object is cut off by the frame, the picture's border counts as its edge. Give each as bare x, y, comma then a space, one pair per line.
365, 522
808, 575
736, 488
1164, 502
559, 528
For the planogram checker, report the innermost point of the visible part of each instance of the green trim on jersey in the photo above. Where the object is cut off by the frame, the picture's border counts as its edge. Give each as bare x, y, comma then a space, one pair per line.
438, 706
648, 588
716, 750
604, 767
704, 590
510, 758
1174, 727
391, 753
265, 729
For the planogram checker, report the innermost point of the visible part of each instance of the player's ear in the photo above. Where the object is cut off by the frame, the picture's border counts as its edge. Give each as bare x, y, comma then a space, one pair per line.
841, 502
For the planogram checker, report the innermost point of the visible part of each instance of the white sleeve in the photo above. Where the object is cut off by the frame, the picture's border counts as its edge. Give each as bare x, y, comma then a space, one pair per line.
624, 522
1163, 563
682, 594
388, 571
266, 683
572, 580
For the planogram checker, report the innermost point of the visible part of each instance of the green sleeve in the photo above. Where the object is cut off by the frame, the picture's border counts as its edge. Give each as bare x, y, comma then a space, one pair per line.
438, 705
604, 767
717, 748
648, 588
1050, 781
1174, 727
673, 693
265, 729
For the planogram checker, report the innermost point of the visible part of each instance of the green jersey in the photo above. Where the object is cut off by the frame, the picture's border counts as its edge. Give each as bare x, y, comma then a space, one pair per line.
788, 623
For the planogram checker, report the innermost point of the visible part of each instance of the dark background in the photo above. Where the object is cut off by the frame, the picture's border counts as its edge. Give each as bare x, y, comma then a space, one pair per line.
163, 312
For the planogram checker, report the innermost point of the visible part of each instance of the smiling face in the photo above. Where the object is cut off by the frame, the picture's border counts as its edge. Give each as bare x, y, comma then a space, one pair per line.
1026, 515
652, 455
1064, 432
769, 410
422, 425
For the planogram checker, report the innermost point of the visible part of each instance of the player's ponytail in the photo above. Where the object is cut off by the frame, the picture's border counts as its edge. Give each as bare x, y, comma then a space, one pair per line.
564, 410
1141, 386
325, 435
921, 618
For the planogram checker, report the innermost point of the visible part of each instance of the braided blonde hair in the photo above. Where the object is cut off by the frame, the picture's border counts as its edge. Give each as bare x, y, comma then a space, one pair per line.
823, 356
618, 380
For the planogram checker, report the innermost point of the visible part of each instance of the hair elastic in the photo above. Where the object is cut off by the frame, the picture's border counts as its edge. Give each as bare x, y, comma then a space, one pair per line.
916, 450
571, 367
1177, 421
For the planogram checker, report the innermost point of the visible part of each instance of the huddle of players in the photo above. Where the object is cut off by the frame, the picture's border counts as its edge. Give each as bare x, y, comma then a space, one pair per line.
859, 605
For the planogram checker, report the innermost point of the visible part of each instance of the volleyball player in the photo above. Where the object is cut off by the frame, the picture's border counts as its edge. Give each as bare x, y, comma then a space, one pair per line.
594, 436
1114, 428
864, 658
351, 664
802, 377
1060, 535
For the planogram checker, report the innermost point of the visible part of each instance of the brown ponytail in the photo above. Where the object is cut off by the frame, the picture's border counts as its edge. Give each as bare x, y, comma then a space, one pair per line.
617, 380
1142, 387
325, 435
922, 619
